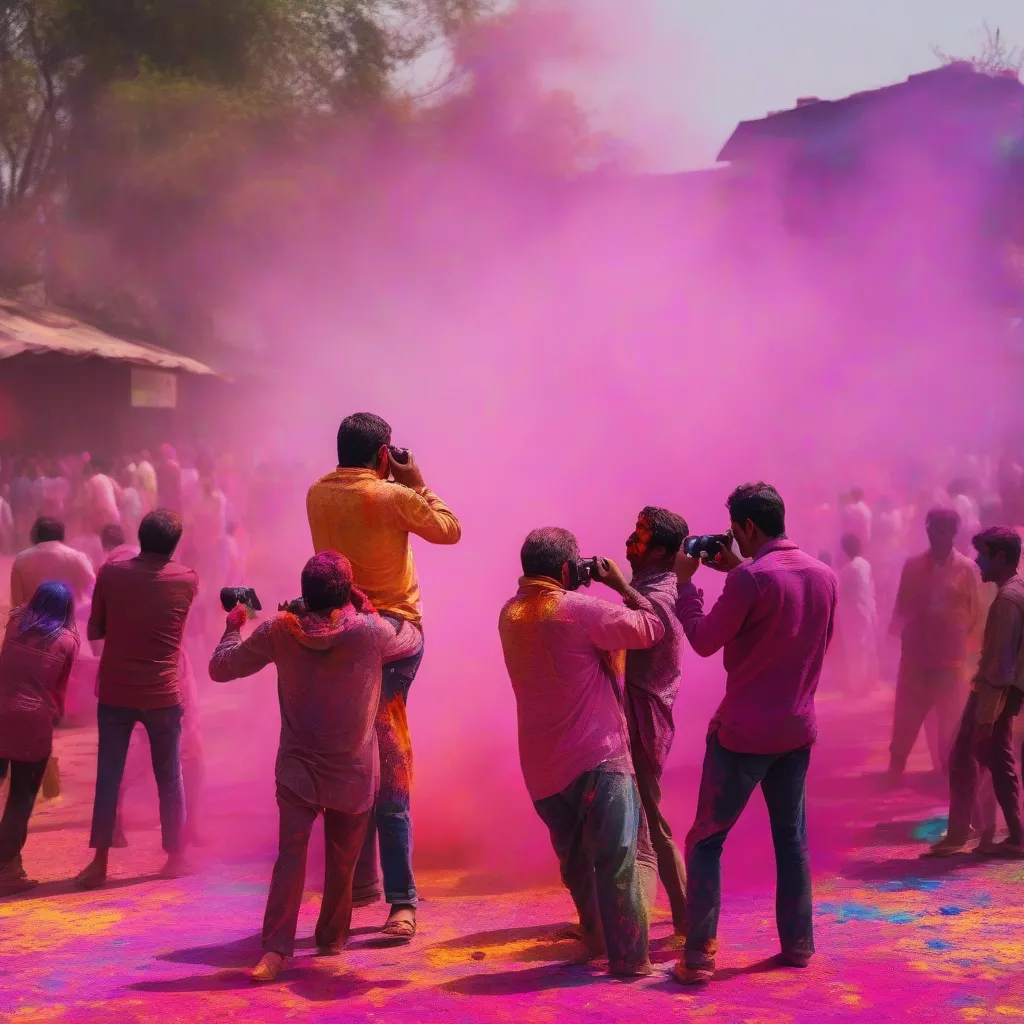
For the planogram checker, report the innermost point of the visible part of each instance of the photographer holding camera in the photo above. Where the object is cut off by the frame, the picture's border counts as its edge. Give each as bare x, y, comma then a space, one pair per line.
329, 649
369, 518
774, 620
573, 739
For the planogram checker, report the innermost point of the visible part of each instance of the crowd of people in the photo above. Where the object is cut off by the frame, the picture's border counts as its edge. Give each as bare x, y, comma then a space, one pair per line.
595, 681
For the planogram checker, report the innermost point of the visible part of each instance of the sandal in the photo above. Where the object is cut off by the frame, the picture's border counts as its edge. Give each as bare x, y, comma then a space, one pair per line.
401, 924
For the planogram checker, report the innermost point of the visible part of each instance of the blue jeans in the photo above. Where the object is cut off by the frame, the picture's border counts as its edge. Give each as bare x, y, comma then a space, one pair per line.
390, 825
163, 726
593, 825
727, 782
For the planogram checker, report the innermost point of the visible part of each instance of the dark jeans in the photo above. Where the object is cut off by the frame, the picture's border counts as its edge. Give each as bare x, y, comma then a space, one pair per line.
593, 826
163, 727
391, 822
343, 837
655, 836
26, 778
994, 752
727, 782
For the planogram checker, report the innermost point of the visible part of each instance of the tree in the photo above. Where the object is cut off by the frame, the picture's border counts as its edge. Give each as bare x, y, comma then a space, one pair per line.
32, 93
994, 58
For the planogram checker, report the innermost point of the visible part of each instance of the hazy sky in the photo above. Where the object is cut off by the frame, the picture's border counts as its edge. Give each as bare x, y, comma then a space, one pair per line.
678, 83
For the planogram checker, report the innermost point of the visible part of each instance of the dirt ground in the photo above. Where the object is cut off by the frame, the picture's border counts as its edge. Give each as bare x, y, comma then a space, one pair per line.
898, 938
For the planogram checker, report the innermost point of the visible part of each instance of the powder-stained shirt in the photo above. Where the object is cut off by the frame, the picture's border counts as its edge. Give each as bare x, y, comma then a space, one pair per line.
329, 683
556, 645
775, 620
653, 675
51, 560
1002, 651
34, 673
937, 609
139, 610
369, 521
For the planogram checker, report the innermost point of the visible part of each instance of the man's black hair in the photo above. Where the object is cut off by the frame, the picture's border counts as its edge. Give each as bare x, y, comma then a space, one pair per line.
360, 437
762, 505
851, 545
46, 528
546, 550
948, 516
1000, 540
668, 530
111, 536
159, 532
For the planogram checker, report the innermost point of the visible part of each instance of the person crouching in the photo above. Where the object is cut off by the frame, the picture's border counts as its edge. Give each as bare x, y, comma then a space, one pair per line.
329, 649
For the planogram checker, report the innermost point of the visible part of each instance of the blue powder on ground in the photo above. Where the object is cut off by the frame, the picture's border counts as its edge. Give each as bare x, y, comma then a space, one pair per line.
845, 912
931, 831
911, 885
951, 911
938, 944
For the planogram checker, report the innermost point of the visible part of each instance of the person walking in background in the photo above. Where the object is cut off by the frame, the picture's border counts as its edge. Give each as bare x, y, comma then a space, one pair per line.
145, 477
653, 676
329, 650
139, 610
985, 737
559, 648
857, 620
775, 621
49, 558
101, 497
937, 607
855, 517
38, 654
168, 480
358, 511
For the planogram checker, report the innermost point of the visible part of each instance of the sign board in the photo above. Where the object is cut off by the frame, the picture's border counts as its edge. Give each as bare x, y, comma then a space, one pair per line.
154, 389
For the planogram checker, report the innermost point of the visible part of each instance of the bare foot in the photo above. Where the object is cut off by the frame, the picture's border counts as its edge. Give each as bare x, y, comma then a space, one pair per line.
14, 880
94, 876
269, 967
177, 867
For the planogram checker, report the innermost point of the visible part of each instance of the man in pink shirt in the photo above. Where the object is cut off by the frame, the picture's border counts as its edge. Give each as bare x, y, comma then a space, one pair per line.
562, 653
774, 620
50, 558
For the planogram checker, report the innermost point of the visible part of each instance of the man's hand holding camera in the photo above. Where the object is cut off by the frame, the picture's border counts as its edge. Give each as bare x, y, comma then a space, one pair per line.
404, 468
607, 572
693, 554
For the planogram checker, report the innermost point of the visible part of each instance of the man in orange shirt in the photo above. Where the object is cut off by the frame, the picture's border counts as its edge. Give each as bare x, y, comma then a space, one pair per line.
366, 510
937, 610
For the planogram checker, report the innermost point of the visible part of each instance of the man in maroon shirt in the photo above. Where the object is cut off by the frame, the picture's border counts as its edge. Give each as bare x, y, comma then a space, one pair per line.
774, 620
139, 609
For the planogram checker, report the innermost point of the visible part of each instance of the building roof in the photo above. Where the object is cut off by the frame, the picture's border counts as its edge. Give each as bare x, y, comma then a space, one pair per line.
811, 114
25, 328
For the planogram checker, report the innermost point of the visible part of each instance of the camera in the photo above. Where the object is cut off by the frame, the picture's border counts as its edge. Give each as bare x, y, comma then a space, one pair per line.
231, 597
706, 546
581, 572
399, 455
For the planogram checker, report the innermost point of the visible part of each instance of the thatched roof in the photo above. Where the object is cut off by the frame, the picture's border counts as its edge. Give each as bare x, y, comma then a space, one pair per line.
26, 328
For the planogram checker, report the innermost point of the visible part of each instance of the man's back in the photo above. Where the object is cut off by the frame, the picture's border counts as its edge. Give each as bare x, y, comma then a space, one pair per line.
50, 560
369, 520
139, 609
569, 714
775, 620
